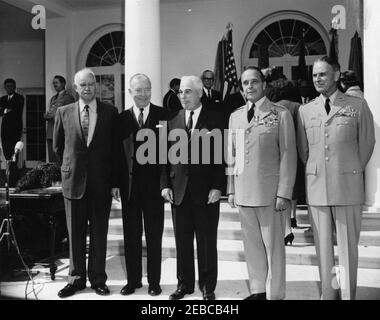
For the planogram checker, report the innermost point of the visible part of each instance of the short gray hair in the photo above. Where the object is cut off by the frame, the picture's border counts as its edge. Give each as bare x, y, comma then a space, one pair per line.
138, 76
196, 81
83, 71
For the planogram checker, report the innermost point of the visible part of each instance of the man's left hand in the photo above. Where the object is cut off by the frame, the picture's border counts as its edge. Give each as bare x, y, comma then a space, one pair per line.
214, 196
281, 204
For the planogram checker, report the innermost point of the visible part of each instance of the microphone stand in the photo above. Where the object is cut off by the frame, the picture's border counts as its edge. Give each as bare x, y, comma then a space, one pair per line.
6, 228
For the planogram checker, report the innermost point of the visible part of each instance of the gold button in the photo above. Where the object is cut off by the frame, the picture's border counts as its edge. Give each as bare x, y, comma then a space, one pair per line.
326, 147
327, 158
326, 135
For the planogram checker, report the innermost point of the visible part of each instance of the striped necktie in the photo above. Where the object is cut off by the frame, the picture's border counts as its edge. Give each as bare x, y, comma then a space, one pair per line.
85, 121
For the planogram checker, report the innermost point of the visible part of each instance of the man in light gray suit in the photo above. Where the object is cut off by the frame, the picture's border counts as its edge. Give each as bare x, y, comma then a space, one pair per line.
260, 183
88, 149
335, 141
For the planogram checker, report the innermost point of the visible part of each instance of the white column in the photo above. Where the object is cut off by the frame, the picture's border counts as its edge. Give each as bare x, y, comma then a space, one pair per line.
372, 95
143, 45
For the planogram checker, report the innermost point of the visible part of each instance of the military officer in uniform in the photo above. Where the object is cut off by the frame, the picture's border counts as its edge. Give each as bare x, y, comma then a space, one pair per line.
262, 168
335, 141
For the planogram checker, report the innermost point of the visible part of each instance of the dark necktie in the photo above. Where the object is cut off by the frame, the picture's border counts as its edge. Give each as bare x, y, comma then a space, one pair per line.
209, 94
85, 122
189, 124
251, 112
327, 106
141, 117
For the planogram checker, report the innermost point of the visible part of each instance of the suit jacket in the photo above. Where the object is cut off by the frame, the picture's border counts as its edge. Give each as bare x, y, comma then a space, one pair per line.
336, 149
233, 102
127, 130
198, 178
58, 100
94, 166
262, 155
215, 102
171, 102
11, 126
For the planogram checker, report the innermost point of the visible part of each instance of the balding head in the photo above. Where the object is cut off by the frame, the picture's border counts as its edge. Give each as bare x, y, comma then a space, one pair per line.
140, 89
85, 85
190, 92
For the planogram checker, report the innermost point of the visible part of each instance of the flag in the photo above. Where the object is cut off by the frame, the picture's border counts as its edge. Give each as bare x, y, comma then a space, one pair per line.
355, 62
302, 70
225, 67
334, 52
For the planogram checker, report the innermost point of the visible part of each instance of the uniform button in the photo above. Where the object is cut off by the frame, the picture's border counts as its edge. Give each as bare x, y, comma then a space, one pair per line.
247, 142
247, 132
247, 152
326, 135
354, 172
326, 147
327, 158
247, 161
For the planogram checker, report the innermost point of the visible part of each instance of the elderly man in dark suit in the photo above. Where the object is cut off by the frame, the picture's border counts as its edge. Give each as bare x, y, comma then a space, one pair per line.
61, 98
211, 98
85, 142
11, 108
140, 188
194, 189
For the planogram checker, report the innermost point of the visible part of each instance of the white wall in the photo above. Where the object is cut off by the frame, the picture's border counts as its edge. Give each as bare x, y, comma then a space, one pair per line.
190, 39
24, 62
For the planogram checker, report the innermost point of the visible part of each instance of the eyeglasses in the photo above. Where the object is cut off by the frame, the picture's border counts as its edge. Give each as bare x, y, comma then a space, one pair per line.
205, 78
140, 90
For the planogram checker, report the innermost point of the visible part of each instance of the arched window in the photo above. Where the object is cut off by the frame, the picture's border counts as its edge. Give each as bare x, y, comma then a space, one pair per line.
284, 37
277, 38
103, 52
107, 51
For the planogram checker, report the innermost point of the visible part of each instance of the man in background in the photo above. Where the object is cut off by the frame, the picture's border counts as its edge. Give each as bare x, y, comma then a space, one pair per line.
211, 98
61, 98
11, 109
171, 101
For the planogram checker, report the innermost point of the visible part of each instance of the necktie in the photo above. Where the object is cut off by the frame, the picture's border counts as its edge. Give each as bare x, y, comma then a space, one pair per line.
327, 105
85, 122
251, 112
209, 93
189, 124
141, 117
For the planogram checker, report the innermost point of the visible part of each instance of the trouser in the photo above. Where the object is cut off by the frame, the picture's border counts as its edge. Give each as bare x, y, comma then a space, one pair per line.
201, 219
147, 207
80, 212
51, 155
346, 222
263, 236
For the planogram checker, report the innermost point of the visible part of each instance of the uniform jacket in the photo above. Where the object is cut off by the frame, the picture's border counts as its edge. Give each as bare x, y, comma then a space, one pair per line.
262, 155
58, 100
198, 178
336, 149
94, 166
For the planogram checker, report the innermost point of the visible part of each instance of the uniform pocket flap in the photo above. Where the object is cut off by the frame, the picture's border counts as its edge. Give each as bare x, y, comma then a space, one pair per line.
351, 167
172, 174
314, 123
311, 168
65, 168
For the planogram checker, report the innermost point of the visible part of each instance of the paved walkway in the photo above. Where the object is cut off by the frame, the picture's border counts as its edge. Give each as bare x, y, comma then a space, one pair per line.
302, 283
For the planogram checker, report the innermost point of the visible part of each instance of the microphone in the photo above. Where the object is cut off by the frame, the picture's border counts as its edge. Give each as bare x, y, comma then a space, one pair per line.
18, 147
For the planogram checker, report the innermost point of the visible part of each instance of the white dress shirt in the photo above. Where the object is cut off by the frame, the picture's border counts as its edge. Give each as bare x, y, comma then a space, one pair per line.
93, 115
195, 116
136, 111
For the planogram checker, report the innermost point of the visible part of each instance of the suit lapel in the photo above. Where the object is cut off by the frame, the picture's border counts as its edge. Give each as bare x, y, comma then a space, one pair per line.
201, 119
77, 122
99, 119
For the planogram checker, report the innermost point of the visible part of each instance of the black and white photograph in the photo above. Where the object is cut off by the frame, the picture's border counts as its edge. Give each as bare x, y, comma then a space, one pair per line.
192, 150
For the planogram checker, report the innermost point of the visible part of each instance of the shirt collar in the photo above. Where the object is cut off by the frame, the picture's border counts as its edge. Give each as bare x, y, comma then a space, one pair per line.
331, 97
258, 103
92, 105
136, 110
10, 96
197, 111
